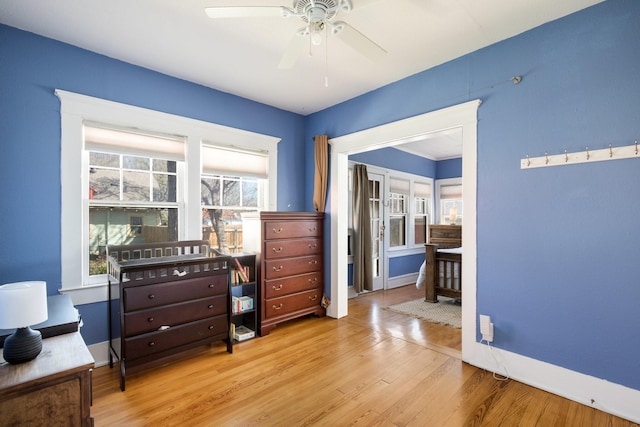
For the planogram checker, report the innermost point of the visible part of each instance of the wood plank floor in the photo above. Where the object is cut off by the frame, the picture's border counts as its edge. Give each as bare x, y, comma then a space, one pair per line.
372, 368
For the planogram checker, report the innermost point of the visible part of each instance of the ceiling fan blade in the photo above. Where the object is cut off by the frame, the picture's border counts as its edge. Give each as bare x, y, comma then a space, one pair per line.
358, 41
294, 50
245, 11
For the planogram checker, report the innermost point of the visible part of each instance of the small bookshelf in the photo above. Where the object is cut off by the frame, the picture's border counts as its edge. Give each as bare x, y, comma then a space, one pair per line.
244, 301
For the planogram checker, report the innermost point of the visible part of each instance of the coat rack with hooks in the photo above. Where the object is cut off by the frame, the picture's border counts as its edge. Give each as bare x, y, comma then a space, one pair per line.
586, 156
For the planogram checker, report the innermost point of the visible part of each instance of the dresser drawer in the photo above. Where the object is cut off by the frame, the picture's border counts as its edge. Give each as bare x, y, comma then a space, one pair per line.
172, 315
280, 306
288, 248
156, 342
291, 266
141, 297
279, 287
291, 229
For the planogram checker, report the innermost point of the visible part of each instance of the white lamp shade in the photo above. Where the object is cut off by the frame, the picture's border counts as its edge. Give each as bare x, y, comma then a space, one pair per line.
23, 304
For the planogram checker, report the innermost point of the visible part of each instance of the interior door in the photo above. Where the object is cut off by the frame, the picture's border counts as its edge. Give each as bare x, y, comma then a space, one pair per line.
376, 207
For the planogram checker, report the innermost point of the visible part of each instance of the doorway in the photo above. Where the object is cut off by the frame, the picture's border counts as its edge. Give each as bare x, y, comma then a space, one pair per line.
395, 133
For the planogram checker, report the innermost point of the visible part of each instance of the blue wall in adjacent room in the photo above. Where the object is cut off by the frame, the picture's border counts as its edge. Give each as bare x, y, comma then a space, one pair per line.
557, 263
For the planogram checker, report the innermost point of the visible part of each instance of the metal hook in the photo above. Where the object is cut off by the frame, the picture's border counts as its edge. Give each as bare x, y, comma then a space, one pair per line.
529, 160
566, 156
636, 147
587, 153
546, 158
610, 151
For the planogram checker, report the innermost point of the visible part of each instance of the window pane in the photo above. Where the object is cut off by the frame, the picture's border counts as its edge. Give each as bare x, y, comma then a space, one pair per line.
231, 193
250, 193
164, 188
109, 226
104, 184
210, 191
421, 229
397, 231
135, 186
104, 159
134, 162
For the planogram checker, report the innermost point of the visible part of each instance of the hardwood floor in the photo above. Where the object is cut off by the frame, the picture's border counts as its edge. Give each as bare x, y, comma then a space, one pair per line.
373, 368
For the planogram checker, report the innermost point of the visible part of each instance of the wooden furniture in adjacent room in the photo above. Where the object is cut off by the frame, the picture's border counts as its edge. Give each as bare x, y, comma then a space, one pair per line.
52, 389
165, 298
443, 263
290, 247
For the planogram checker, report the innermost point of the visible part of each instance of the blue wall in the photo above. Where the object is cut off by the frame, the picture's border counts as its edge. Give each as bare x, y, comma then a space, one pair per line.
557, 247
392, 158
451, 168
31, 67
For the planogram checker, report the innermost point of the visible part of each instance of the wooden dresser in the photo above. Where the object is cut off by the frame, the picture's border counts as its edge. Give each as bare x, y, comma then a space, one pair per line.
290, 248
54, 389
165, 298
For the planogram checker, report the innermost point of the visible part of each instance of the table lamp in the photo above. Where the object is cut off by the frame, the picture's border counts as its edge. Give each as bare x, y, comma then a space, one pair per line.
22, 304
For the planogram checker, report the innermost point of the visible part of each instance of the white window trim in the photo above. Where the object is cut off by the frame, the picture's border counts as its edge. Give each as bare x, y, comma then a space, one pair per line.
75, 109
442, 183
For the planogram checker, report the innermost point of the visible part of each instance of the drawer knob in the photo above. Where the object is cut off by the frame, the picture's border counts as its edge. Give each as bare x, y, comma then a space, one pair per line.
312, 229
150, 319
313, 261
277, 288
278, 268
151, 296
151, 343
312, 245
276, 250
313, 297
211, 327
210, 306
277, 230
277, 307
211, 285
314, 280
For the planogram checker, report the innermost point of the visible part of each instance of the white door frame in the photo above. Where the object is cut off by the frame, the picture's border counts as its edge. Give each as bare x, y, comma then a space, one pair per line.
396, 133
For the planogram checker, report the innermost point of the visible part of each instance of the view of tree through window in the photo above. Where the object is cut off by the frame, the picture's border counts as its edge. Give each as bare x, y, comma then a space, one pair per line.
224, 199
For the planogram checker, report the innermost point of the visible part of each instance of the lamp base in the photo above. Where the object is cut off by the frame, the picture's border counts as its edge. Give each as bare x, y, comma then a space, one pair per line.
22, 346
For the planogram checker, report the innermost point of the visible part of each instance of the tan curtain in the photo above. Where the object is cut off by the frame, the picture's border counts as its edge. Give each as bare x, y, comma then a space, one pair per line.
322, 171
362, 261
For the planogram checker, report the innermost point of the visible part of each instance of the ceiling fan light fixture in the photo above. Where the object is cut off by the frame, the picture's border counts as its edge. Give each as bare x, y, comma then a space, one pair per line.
316, 33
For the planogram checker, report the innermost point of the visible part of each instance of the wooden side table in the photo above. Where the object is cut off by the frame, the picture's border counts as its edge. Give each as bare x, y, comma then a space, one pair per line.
52, 389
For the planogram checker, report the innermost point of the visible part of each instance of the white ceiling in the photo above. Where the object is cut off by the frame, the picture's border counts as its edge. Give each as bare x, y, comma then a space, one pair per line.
240, 55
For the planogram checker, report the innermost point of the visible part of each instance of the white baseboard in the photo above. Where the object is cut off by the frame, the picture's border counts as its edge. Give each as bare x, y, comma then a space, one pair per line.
600, 394
405, 279
100, 353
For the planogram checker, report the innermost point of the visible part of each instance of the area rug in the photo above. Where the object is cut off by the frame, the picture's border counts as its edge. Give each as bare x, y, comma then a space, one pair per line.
447, 311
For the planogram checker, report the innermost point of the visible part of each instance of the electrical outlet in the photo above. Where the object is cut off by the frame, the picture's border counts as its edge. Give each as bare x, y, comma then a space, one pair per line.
486, 328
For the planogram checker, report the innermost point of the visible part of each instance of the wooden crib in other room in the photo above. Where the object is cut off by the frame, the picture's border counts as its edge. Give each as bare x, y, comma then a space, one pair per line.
443, 257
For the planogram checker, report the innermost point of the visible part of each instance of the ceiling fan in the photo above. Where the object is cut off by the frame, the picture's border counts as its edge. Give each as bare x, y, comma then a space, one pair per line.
318, 16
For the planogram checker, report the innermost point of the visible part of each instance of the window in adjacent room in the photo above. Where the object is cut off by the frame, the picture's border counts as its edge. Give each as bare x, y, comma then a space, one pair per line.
422, 209
450, 201
398, 212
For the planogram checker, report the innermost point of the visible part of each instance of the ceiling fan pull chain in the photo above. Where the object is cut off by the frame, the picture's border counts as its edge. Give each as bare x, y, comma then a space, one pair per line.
326, 57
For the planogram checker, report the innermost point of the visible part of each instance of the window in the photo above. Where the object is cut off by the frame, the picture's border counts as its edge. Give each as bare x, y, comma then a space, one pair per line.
136, 181
225, 197
422, 208
450, 201
127, 192
398, 212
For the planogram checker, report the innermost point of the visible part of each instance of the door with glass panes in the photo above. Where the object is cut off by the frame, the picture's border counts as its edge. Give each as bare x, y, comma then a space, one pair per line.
376, 208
